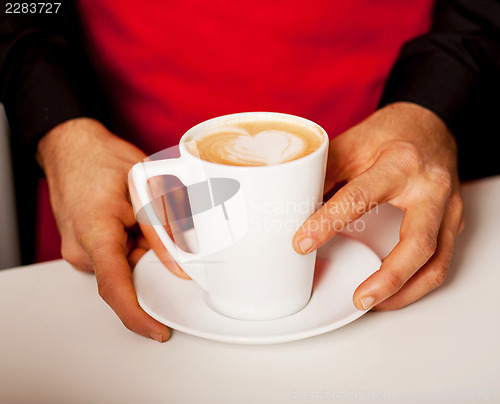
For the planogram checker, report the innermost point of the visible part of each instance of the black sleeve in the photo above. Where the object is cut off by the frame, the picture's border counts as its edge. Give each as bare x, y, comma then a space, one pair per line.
454, 71
45, 78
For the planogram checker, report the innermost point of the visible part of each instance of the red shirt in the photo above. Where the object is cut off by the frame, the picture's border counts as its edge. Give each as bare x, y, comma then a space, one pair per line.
168, 65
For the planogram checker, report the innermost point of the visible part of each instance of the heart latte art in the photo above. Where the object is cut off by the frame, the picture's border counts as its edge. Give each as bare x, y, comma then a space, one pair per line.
255, 144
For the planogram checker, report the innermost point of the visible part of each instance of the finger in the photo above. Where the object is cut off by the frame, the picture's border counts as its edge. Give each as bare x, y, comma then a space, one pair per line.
137, 245
457, 205
434, 272
353, 200
461, 225
105, 241
162, 253
417, 244
341, 151
141, 247
333, 174
72, 252
165, 212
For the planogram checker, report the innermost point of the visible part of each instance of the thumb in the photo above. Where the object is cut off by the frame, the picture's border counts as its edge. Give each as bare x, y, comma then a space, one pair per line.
347, 156
349, 203
160, 250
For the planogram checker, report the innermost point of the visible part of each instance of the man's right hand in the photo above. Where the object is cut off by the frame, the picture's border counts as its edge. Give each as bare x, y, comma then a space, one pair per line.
87, 171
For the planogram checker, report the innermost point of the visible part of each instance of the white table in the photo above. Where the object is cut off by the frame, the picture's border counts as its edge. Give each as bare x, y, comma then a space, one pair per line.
60, 343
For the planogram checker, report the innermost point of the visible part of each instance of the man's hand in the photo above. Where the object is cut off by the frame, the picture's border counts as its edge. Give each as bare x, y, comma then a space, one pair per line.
405, 155
86, 168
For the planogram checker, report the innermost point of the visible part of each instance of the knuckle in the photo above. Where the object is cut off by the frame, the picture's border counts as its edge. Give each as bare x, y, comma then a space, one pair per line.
357, 197
76, 257
405, 156
128, 323
93, 234
393, 282
82, 225
436, 276
442, 181
425, 245
456, 204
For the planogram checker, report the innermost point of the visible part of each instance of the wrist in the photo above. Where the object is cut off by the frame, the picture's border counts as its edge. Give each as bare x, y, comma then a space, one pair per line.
417, 120
59, 140
416, 113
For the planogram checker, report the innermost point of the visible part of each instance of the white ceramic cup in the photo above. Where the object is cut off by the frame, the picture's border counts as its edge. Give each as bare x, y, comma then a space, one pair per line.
243, 258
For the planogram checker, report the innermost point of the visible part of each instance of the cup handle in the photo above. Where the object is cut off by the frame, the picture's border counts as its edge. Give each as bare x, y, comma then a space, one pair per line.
140, 174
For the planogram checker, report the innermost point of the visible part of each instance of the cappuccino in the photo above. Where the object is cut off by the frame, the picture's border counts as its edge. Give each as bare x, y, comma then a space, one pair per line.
255, 143
244, 210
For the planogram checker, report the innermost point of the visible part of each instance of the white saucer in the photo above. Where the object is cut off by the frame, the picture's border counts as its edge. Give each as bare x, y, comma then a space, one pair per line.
342, 265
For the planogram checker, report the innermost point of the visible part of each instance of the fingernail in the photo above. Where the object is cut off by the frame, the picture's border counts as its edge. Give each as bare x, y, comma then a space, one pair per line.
367, 302
306, 245
156, 337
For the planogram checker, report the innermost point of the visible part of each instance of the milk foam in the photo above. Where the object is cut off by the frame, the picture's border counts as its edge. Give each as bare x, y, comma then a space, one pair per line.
268, 147
258, 143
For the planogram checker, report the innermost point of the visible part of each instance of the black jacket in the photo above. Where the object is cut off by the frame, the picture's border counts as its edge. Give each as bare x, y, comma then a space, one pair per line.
454, 70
